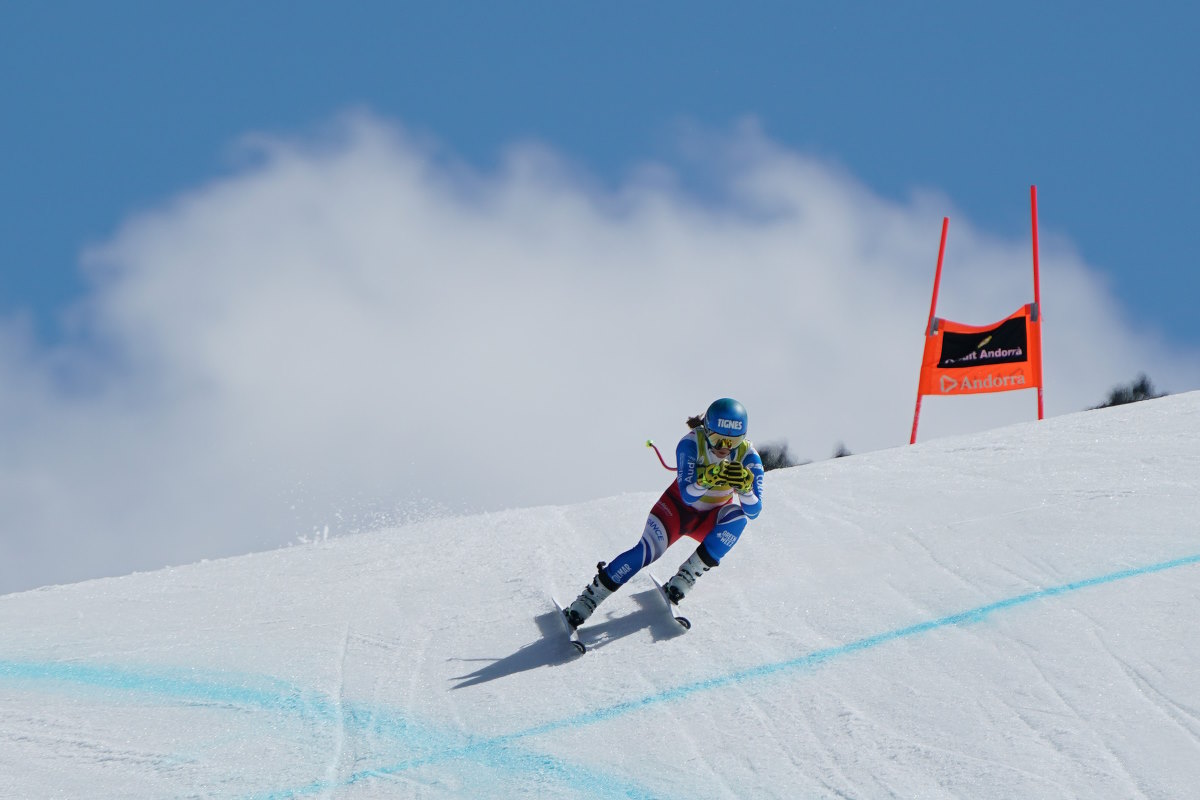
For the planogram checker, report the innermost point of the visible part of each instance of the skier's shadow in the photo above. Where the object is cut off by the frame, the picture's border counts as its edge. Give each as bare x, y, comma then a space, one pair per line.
553, 649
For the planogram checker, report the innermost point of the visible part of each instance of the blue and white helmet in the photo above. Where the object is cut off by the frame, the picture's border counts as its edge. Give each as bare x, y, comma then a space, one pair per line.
727, 418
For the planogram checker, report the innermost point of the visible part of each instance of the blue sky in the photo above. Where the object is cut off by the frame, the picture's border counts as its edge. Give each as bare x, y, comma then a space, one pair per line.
113, 107
264, 266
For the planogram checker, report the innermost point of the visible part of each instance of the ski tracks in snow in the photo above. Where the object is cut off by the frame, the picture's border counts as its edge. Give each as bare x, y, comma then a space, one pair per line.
504, 752
337, 699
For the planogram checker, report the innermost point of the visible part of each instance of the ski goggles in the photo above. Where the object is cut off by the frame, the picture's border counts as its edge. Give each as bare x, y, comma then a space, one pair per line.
720, 441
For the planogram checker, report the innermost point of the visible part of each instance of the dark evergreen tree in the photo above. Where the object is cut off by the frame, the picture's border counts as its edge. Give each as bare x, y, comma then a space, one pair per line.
1139, 389
776, 455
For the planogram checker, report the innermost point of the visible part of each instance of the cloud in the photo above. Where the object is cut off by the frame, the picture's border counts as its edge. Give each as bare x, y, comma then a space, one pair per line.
356, 327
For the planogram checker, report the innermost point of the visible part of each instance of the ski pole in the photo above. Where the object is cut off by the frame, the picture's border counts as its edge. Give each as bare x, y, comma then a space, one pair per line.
650, 443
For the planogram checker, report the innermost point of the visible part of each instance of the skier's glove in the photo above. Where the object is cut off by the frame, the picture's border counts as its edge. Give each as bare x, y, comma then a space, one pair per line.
737, 477
710, 476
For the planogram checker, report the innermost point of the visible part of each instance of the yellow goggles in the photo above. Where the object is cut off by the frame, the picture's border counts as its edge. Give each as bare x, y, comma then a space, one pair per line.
719, 441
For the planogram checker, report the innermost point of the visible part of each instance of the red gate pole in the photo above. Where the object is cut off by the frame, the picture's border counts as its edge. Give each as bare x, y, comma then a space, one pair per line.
1037, 290
937, 281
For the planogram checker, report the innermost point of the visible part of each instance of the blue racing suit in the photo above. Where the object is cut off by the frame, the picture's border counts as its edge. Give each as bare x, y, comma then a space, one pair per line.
715, 516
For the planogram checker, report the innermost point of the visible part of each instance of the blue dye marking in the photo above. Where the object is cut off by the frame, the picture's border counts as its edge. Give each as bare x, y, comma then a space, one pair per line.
497, 752
426, 746
813, 659
821, 656
188, 685
545, 770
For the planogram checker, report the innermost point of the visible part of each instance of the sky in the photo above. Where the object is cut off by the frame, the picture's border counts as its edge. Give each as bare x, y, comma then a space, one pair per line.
257, 263
969, 617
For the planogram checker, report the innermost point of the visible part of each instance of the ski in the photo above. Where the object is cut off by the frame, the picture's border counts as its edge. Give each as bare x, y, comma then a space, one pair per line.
684, 622
572, 633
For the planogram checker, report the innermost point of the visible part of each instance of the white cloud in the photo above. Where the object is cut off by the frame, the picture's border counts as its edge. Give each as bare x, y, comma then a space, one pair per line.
359, 326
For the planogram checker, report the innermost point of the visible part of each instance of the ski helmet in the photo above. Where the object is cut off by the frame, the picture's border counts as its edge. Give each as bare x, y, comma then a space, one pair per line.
727, 417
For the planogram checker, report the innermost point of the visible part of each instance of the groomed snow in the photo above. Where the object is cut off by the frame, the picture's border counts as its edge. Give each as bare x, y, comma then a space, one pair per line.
1007, 615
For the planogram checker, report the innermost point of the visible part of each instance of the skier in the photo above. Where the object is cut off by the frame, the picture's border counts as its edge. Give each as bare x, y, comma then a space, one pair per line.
717, 490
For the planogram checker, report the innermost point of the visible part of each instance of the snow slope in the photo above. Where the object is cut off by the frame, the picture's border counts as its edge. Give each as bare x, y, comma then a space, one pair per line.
1006, 615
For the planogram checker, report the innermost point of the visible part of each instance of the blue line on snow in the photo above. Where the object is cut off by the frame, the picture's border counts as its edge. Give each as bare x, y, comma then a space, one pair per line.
498, 752
277, 697
809, 661
821, 656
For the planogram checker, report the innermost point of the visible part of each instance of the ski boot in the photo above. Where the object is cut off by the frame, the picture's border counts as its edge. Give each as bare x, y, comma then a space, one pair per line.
592, 595
682, 582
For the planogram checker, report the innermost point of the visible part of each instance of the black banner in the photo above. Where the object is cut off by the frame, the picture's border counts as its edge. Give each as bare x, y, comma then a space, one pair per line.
1004, 344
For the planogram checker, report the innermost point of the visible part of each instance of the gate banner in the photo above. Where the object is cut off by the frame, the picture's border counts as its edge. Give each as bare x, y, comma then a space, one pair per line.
963, 359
